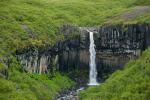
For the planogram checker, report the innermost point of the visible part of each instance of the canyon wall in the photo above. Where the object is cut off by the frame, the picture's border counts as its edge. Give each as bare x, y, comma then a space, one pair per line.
115, 46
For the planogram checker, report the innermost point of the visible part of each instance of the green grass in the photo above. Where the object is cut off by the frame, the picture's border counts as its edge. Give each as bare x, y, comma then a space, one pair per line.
131, 83
20, 85
43, 17
23, 86
142, 2
142, 18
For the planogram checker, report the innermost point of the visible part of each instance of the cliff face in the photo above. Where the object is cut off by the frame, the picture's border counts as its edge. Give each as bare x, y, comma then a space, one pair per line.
115, 45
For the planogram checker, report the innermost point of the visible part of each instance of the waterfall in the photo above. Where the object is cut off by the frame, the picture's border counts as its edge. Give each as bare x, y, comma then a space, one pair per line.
93, 70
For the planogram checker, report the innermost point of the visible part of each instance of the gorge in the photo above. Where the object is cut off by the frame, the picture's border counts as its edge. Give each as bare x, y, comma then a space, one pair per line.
115, 46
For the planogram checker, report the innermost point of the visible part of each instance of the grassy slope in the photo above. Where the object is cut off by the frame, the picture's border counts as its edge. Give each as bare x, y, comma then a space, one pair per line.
43, 17
22, 86
25, 86
131, 83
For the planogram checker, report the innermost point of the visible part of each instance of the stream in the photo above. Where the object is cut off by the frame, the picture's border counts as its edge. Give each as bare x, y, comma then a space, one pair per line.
71, 95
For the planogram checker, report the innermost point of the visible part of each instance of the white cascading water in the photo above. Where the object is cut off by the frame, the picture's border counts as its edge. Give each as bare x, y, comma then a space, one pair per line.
93, 70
